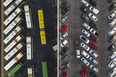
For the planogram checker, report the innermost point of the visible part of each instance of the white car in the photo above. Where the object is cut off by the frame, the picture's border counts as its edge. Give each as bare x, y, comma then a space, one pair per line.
85, 46
112, 55
112, 63
93, 68
63, 36
112, 72
78, 55
93, 17
86, 33
94, 10
85, 3
94, 32
112, 15
86, 26
63, 43
85, 54
112, 31
93, 53
112, 23
85, 61
83, 38
93, 60
64, 19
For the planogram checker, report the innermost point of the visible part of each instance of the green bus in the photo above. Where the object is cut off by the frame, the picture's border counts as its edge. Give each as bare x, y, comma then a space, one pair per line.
44, 68
15, 69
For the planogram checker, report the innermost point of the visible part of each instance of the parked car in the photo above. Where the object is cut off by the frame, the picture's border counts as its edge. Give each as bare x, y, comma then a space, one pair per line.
64, 19
63, 28
63, 43
84, 10
112, 22
93, 25
112, 15
93, 46
66, 9
65, 66
109, 1
112, 55
112, 6
93, 68
112, 31
86, 26
86, 33
63, 5
93, 54
112, 63
64, 59
93, 38
83, 38
83, 74
93, 60
111, 47
63, 36
64, 75
85, 61
94, 32
85, 54
93, 2
94, 10
112, 39
93, 17
85, 17
112, 72
92, 74
64, 51
85, 69
85, 46
78, 55
85, 3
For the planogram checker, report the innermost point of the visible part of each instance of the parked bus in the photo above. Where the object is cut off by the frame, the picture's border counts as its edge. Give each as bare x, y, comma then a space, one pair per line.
7, 2
12, 25
13, 51
12, 34
41, 26
44, 68
13, 61
28, 17
29, 49
30, 71
12, 7
14, 70
13, 43
12, 16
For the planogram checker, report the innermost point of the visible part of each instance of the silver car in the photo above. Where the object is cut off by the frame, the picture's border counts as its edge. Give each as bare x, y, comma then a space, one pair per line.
85, 54
83, 38
112, 63
93, 17
93, 60
85, 61
112, 72
85, 3
86, 26
63, 43
112, 15
94, 10
63, 36
64, 19
112, 55
112, 31
113, 22
86, 33
85, 46
93, 68
93, 53
78, 55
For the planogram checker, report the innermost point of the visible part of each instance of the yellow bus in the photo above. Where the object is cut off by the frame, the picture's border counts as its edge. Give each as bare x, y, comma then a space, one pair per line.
41, 26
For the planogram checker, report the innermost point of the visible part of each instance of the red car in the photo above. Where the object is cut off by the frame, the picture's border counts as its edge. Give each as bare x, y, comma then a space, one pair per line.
94, 39
83, 74
93, 46
64, 75
109, 1
63, 28
85, 69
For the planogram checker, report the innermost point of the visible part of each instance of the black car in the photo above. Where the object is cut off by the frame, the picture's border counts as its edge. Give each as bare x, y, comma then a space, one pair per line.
93, 2
93, 25
65, 66
64, 51
85, 17
112, 39
83, 9
111, 47
63, 5
92, 74
66, 9
112, 6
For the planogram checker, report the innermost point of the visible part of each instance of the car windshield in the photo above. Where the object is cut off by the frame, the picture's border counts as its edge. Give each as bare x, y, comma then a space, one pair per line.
83, 38
62, 29
92, 52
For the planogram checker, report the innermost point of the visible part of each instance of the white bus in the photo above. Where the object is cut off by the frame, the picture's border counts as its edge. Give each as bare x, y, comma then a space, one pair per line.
7, 2
12, 34
13, 61
12, 7
13, 43
13, 51
30, 71
12, 25
28, 17
12, 16
29, 49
